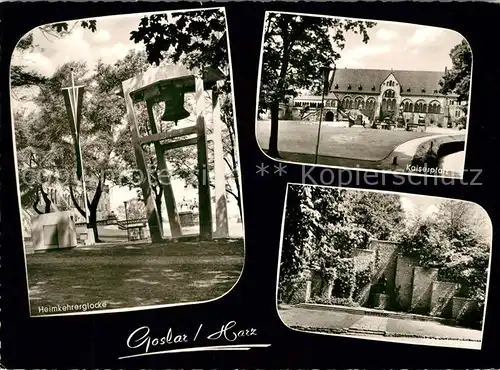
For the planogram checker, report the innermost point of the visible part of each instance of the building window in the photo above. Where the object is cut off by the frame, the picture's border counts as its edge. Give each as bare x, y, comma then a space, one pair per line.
359, 103
408, 89
349, 87
389, 94
373, 88
434, 107
384, 104
347, 103
360, 87
336, 86
424, 107
423, 90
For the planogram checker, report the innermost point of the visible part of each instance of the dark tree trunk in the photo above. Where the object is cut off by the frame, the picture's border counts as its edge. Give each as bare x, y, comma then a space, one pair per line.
75, 201
273, 138
93, 211
93, 225
158, 198
234, 167
47, 200
36, 202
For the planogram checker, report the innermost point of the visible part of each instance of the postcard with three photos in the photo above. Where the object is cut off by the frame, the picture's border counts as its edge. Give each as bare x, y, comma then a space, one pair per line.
252, 184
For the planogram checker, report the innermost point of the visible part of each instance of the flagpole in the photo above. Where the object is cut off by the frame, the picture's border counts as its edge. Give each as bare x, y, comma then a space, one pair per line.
84, 188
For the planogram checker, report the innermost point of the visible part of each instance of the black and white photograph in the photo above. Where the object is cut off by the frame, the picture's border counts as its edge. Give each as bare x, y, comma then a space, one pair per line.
384, 266
364, 94
127, 161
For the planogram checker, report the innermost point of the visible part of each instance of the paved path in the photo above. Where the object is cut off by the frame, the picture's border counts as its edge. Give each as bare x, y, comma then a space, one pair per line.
429, 332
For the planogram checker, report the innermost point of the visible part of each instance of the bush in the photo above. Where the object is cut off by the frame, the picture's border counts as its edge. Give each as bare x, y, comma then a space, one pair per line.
288, 288
347, 302
345, 282
472, 319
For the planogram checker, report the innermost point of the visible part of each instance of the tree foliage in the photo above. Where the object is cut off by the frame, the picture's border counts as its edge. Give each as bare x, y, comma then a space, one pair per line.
457, 79
319, 234
136, 209
44, 142
455, 242
197, 39
380, 214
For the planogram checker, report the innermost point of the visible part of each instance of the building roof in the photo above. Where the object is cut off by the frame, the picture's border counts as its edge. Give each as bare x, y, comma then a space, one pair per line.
315, 97
370, 81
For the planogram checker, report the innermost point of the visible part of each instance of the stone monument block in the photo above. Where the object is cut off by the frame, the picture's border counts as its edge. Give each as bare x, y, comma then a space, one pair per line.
53, 230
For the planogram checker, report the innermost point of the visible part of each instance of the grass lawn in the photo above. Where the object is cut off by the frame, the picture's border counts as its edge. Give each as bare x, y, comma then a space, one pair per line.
130, 275
355, 143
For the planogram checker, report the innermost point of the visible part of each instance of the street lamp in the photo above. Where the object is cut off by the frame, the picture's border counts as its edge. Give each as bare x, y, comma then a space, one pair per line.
401, 117
325, 71
126, 220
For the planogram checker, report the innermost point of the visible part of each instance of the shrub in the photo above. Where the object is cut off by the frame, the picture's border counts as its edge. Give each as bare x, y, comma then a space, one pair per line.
473, 319
345, 280
348, 302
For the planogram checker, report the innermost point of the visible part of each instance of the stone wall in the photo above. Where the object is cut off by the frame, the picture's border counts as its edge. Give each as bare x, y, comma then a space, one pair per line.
386, 261
415, 288
403, 284
363, 258
441, 298
423, 279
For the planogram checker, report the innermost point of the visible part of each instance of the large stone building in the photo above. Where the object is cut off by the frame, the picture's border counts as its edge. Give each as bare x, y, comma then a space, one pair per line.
377, 94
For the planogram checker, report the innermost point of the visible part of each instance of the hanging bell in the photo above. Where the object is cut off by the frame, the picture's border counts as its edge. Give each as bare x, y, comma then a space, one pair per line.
174, 107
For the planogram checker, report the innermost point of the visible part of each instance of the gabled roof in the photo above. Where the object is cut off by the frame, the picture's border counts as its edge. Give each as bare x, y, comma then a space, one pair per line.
315, 97
368, 79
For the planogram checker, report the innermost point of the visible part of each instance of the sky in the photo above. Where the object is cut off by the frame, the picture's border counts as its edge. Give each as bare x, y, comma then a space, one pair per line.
401, 46
110, 43
414, 205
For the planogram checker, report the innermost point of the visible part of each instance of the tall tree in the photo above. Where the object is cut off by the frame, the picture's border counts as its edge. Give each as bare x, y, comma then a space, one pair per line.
454, 241
380, 214
319, 233
295, 48
457, 79
46, 143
